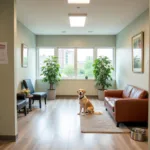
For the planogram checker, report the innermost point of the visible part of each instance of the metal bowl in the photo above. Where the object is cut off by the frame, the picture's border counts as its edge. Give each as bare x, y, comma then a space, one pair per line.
138, 134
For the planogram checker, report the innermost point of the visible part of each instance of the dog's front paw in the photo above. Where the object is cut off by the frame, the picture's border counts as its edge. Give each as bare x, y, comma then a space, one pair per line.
83, 114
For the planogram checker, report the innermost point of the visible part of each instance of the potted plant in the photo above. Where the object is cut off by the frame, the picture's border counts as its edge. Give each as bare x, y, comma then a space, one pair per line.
51, 74
102, 70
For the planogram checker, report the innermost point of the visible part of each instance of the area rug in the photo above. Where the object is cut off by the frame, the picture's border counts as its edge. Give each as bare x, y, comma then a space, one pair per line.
101, 123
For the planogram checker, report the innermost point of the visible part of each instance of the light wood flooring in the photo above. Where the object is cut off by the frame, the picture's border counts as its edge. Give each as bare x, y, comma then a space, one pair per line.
57, 127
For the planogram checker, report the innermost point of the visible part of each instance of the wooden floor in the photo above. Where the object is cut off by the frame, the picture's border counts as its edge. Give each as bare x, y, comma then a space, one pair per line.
57, 127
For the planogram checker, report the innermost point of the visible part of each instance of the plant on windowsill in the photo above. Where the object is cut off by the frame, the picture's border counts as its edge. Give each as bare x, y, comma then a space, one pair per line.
102, 72
51, 74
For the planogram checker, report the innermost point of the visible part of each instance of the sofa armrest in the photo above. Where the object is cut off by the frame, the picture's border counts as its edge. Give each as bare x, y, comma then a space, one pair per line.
21, 96
129, 109
113, 93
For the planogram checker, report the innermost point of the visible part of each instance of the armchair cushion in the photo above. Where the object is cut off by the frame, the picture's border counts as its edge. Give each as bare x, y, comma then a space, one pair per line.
39, 94
21, 104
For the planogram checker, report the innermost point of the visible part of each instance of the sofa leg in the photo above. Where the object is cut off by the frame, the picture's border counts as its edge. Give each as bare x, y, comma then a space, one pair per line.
45, 100
25, 110
106, 109
117, 125
40, 102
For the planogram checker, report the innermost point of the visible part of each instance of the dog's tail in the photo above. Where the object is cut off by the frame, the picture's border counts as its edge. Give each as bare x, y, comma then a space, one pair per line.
97, 113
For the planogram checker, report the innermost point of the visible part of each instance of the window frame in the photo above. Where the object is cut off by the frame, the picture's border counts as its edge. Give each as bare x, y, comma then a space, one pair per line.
95, 49
38, 60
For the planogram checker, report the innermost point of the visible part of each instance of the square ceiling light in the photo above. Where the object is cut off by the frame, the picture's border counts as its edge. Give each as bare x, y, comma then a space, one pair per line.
77, 20
78, 1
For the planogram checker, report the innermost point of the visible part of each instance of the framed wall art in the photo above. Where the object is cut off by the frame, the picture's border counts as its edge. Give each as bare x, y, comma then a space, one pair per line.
138, 53
24, 56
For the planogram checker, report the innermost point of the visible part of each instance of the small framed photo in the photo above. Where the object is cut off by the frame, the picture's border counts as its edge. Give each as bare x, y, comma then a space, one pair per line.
138, 53
24, 55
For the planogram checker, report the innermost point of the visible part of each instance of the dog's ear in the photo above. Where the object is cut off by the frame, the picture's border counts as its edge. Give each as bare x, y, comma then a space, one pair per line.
84, 91
78, 91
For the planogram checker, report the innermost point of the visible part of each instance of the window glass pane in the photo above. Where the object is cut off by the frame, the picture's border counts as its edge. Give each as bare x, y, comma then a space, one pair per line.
66, 61
43, 54
106, 52
84, 63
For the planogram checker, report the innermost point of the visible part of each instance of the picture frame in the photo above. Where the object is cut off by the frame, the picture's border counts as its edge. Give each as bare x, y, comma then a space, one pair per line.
24, 55
138, 53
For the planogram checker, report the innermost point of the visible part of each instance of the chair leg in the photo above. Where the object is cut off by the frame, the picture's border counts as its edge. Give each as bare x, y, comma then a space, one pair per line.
25, 110
40, 103
30, 104
45, 100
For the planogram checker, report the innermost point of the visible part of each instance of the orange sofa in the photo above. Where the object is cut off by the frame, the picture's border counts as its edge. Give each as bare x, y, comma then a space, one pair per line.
128, 105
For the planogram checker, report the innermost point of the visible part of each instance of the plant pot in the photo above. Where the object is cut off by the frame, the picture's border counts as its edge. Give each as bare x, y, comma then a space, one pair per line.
51, 94
100, 94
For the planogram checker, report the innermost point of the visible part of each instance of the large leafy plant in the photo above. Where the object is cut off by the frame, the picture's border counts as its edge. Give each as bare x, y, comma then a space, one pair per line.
50, 71
102, 70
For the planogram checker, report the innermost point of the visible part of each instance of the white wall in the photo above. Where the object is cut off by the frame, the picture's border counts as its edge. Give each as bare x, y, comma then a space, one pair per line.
28, 38
69, 87
124, 74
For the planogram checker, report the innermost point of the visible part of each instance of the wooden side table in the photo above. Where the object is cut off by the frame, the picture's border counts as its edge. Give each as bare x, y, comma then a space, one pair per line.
30, 97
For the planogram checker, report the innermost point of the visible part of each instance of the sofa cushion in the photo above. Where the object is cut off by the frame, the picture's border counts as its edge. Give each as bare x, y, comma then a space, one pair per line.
110, 102
127, 91
138, 93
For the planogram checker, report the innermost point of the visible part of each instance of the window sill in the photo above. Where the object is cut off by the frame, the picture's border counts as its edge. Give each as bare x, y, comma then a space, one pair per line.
72, 79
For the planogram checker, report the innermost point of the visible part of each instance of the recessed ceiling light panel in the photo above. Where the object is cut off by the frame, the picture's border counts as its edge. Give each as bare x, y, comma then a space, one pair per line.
77, 20
78, 1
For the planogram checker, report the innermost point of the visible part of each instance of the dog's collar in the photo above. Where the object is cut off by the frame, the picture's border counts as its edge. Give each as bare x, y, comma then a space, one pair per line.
81, 97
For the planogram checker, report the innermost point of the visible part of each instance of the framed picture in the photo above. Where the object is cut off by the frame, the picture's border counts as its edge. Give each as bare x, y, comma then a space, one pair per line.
138, 53
24, 55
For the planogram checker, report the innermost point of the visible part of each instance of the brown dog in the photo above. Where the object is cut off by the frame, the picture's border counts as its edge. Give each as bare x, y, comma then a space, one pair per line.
85, 103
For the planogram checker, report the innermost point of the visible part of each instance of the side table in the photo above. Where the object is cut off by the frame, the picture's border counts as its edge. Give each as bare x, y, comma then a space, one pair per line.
30, 97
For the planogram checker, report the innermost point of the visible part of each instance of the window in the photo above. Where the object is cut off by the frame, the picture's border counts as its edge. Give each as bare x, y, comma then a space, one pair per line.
109, 52
43, 54
84, 63
105, 52
75, 63
66, 61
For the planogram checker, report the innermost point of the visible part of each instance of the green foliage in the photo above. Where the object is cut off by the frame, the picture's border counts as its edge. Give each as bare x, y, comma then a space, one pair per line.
50, 71
69, 70
102, 72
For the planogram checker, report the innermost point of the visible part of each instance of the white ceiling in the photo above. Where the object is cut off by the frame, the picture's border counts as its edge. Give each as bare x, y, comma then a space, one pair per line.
105, 17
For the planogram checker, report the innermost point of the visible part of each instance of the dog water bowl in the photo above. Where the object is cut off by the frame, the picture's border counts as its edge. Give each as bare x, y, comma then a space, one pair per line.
138, 134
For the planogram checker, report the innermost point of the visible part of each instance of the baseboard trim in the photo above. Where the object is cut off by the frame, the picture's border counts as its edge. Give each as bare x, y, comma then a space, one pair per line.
75, 96
9, 137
